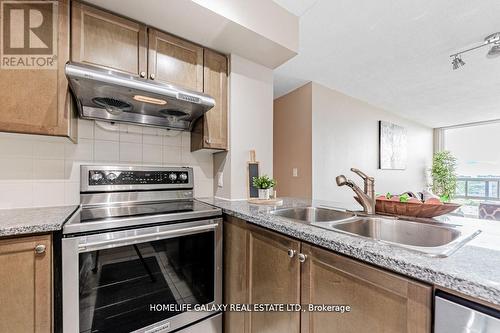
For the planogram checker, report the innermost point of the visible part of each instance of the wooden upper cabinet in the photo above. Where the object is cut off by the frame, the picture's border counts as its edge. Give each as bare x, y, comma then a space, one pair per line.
174, 60
380, 301
103, 39
210, 131
26, 284
274, 277
36, 100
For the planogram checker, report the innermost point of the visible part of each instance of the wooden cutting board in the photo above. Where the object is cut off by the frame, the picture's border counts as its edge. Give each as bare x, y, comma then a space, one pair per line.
270, 202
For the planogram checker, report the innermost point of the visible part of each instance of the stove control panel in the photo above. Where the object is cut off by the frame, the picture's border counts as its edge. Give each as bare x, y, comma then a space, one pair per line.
117, 178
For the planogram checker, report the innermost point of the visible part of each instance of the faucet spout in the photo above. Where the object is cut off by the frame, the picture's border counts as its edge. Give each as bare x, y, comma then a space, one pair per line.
365, 197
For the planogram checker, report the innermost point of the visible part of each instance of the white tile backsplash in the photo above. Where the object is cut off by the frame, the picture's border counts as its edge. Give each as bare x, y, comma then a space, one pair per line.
10, 145
152, 154
106, 131
106, 151
40, 171
130, 152
172, 155
16, 194
49, 150
16, 168
48, 169
85, 129
48, 194
83, 151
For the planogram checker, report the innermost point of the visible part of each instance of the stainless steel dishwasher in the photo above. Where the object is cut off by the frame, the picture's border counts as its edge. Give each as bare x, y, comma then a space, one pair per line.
457, 315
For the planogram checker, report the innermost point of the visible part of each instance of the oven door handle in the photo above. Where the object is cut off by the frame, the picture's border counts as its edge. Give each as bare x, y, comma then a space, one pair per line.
83, 247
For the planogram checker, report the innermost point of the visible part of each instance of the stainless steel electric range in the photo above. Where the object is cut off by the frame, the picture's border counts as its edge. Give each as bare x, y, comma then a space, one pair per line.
140, 252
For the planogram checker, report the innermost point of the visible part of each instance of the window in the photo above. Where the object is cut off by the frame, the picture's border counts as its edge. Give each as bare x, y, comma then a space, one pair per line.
477, 150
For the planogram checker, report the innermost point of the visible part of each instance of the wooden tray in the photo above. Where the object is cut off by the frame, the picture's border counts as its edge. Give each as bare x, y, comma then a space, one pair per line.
270, 202
414, 209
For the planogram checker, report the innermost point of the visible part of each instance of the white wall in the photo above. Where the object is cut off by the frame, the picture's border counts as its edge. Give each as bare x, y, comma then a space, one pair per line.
38, 171
250, 126
345, 135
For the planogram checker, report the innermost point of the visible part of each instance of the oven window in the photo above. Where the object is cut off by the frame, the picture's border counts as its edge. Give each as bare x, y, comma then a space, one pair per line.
119, 285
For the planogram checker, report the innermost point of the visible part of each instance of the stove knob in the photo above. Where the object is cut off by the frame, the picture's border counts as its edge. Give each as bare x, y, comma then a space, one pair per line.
111, 176
172, 176
183, 176
96, 176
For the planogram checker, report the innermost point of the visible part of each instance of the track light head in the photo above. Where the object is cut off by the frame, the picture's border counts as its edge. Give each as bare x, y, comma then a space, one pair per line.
457, 62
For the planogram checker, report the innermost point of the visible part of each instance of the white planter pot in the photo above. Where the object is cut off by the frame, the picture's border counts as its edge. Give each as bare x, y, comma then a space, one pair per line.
264, 194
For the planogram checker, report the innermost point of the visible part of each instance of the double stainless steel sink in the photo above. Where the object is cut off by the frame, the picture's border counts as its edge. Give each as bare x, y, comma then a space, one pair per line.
431, 238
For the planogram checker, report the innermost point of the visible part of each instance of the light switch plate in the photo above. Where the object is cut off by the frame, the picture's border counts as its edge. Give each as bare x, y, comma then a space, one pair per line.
295, 172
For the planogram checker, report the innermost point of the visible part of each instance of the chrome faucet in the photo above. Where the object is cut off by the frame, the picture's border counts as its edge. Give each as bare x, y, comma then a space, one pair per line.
366, 197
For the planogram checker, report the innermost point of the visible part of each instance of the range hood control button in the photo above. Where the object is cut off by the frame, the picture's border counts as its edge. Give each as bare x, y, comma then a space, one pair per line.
172, 176
183, 176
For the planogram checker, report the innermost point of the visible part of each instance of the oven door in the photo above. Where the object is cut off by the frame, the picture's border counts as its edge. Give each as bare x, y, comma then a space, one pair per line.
138, 279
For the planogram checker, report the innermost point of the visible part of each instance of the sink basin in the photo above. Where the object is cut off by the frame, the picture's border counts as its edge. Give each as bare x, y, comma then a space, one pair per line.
432, 239
313, 214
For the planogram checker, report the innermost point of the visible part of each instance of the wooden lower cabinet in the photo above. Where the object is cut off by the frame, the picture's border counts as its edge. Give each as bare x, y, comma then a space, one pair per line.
273, 277
380, 301
26, 284
258, 269
235, 272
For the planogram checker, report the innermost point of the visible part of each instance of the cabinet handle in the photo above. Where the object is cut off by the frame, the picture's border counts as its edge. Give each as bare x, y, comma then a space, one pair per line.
142, 74
291, 253
302, 257
39, 249
208, 141
152, 76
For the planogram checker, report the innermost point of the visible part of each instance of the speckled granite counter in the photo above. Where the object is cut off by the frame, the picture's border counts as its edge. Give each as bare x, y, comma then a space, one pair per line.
22, 221
473, 270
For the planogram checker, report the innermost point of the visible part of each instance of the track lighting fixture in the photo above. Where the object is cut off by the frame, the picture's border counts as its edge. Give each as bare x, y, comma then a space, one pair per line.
494, 51
457, 62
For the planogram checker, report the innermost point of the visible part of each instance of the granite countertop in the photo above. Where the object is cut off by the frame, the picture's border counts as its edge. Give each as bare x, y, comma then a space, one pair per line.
22, 221
473, 270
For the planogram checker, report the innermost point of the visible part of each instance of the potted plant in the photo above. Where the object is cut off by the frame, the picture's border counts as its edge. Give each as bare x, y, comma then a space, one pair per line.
444, 178
264, 184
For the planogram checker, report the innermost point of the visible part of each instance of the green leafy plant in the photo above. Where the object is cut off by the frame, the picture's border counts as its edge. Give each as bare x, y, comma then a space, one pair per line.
404, 197
444, 177
263, 182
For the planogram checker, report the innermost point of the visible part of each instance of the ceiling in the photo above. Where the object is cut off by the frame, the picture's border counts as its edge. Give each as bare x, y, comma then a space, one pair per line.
394, 54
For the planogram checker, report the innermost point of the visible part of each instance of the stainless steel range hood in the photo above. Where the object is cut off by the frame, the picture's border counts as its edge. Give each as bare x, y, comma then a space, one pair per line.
117, 97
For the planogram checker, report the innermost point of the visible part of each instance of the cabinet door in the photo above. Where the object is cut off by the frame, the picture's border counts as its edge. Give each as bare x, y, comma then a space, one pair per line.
274, 277
35, 99
103, 39
235, 272
25, 285
176, 61
210, 132
380, 301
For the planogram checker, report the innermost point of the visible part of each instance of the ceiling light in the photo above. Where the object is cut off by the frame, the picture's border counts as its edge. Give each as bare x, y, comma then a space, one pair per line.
457, 62
494, 52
